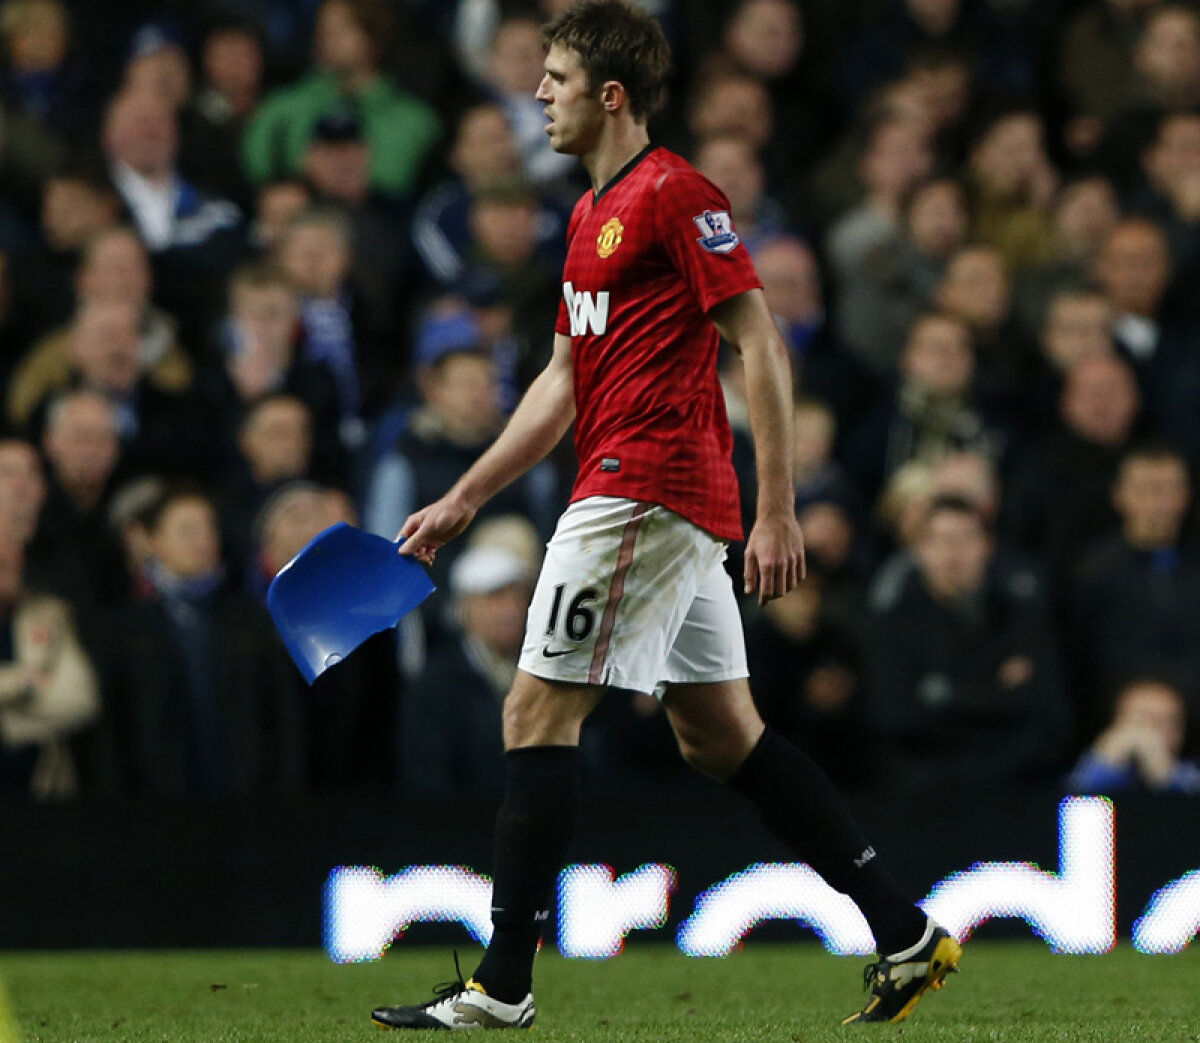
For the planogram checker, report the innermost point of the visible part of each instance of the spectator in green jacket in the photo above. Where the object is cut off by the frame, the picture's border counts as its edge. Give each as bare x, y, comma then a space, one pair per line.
349, 40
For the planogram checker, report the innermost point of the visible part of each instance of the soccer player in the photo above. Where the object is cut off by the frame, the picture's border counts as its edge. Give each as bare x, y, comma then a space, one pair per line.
632, 590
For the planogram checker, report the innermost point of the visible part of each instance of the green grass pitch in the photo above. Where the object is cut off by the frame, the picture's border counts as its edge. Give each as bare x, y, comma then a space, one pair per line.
779, 993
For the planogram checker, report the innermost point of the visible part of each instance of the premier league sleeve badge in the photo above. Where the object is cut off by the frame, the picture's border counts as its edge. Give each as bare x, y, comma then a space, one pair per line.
716, 231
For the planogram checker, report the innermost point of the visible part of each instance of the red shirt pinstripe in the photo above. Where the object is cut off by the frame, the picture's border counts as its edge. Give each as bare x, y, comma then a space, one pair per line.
647, 259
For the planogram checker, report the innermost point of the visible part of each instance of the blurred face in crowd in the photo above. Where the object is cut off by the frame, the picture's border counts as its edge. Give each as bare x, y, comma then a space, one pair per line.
828, 534
1077, 326
934, 16
1087, 212
1175, 155
316, 256
791, 280
116, 268
277, 204
461, 389
971, 476
733, 105
163, 73
81, 441
765, 37
1100, 400
905, 500
232, 64
276, 440
140, 131
127, 514
36, 35
937, 218
515, 63
341, 43
906, 101
976, 287
483, 148
104, 346
1168, 54
1152, 495
1155, 707
339, 169
813, 430
265, 316
953, 551
74, 211
497, 618
186, 540
898, 157
798, 612
1134, 267
1010, 155
945, 87
22, 486
505, 230
338, 507
299, 516
733, 166
939, 356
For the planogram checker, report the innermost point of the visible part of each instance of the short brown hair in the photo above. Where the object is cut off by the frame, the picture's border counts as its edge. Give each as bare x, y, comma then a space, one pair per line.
258, 275
616, 41
374, 18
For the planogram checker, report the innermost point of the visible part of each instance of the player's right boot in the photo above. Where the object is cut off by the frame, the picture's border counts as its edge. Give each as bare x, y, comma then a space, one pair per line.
458, 1005
898, 981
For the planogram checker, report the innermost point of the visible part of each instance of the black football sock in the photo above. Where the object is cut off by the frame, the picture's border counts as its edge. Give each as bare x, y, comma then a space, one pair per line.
533, 829
797, 802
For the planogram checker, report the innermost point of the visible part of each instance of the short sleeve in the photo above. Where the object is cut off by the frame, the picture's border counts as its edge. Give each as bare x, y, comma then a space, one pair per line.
563, 325
696, 230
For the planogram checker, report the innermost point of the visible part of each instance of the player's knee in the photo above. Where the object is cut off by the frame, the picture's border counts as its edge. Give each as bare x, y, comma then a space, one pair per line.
535, 714
715, 755
528, 722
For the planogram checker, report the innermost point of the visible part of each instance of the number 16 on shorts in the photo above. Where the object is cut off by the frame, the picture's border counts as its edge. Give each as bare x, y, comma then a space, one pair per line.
577, 621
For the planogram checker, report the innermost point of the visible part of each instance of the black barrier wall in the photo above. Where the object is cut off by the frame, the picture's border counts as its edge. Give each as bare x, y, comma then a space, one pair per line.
252, 874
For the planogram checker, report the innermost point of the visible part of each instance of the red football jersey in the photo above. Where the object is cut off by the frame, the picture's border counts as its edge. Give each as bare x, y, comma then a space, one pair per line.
647, 258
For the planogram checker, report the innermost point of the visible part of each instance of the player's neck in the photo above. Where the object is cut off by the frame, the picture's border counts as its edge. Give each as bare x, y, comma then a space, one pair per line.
621, 142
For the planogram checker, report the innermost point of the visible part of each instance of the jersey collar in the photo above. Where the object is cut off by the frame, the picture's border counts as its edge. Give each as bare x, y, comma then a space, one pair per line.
622, 173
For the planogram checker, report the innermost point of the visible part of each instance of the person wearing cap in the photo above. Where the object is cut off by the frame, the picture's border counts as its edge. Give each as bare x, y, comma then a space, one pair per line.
337, 174
457, 419
158, 64
450, 729
349, 40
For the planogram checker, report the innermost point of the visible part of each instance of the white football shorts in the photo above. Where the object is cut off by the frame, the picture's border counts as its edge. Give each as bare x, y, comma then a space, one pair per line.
635, 596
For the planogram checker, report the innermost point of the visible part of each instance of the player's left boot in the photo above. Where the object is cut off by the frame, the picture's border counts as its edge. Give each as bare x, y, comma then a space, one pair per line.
898, 982
458, 1005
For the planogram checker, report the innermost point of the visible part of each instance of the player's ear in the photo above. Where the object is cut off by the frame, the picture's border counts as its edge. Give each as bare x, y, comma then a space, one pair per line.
612, 95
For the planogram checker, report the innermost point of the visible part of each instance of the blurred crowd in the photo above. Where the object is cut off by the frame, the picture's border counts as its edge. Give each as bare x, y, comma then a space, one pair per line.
267, 265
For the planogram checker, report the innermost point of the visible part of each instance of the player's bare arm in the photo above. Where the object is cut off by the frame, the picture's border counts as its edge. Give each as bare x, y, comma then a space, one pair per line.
775, 547
536, 426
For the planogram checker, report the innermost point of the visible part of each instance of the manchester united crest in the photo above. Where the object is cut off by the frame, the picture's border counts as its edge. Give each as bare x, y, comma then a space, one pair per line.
609, 238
